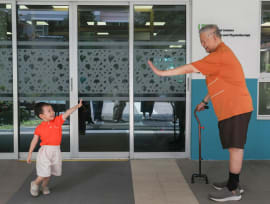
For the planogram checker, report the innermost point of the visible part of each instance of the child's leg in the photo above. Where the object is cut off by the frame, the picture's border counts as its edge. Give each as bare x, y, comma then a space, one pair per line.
39, 179
45, 182
34, 186
44, 186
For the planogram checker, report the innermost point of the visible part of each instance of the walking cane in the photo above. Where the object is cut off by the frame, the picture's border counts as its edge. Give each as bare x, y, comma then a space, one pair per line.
199, 175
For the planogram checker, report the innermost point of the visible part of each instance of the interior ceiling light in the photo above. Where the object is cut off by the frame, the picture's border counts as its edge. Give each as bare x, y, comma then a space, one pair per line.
42, 23
156, 23
90, 23
266, 24
23, 7
103, 33
60, 7
175, 46
182, 41
143, 8
101, 23
8, 6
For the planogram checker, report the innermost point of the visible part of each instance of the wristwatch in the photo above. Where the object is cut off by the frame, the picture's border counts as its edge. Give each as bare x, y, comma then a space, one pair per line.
205, 103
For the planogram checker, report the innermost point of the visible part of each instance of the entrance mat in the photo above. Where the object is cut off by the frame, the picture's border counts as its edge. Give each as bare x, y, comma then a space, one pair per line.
84, 182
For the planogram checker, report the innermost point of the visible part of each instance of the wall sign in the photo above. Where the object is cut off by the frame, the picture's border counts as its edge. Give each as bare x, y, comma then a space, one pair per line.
240, 29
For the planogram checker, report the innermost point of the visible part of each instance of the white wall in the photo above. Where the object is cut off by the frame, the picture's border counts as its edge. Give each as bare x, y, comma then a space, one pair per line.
241, 15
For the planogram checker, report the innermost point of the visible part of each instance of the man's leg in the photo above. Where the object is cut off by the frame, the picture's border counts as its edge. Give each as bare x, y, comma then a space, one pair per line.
233, 133
236, 161
231, 191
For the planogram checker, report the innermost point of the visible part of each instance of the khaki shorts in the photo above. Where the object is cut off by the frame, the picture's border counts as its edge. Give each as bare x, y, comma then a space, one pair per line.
233, 131
49, 161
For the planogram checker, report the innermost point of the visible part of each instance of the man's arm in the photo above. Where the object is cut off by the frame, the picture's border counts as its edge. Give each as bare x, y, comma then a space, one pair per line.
71, 110
32, 147
207, 98
185, 69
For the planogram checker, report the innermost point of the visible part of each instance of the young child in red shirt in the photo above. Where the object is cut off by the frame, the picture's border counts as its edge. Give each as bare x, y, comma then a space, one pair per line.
49, 159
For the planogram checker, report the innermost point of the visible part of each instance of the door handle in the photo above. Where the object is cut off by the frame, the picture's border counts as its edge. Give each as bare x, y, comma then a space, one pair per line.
71, 84
188, 83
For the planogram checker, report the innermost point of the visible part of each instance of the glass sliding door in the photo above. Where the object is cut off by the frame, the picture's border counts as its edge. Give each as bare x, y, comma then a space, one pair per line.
159, 102
43, 66
6, 80
60, 47
103, 78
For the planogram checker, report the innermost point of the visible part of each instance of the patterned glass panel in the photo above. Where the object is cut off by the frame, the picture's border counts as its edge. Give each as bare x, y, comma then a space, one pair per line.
160, 36
103, 77
6, 80
265, 38
264, 98
43, 66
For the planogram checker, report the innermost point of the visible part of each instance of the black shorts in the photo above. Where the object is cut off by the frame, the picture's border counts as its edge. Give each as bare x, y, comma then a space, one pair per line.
233, 131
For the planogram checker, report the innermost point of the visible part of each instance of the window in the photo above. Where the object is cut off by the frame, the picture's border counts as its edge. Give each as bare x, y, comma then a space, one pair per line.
6, 83
264, 80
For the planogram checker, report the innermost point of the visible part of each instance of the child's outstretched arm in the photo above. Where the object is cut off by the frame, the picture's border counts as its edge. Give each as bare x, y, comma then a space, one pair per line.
71, 110
32, 147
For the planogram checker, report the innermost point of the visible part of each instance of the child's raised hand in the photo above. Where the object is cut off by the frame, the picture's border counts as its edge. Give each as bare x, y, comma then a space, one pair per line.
71, 110
80, 104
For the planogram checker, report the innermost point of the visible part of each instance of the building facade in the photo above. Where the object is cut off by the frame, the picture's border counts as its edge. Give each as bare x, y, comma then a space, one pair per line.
60, 51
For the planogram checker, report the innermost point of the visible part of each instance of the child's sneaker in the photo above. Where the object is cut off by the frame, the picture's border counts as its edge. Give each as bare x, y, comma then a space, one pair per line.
45, 190
34, 189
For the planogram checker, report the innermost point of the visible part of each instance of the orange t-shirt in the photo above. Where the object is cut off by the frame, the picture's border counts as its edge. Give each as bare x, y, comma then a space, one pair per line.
50, 132
226, 83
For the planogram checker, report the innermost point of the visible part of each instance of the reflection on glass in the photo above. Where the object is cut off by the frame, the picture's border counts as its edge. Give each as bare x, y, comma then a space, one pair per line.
43, 66
264, 98
160, 35
103, 78
6, 78
265, 38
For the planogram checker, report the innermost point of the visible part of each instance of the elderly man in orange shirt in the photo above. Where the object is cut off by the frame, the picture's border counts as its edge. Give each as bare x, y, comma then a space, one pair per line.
231, 101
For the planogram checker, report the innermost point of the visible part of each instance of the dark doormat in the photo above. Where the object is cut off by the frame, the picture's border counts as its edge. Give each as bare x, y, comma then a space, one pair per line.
84, 182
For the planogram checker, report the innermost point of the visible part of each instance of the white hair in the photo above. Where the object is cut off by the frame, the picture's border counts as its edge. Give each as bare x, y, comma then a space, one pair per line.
209, 27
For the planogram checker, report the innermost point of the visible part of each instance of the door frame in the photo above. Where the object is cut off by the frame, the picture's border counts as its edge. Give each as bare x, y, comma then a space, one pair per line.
15, 153
131, 154
146, 155
74, 142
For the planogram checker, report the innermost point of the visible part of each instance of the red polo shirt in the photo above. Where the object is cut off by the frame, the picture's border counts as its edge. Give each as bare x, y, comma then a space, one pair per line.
50, 132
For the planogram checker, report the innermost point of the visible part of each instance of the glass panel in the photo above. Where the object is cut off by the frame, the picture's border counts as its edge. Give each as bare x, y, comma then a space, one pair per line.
265, 38
6, 80
103, 78
160, 35
43, 66
264, 98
